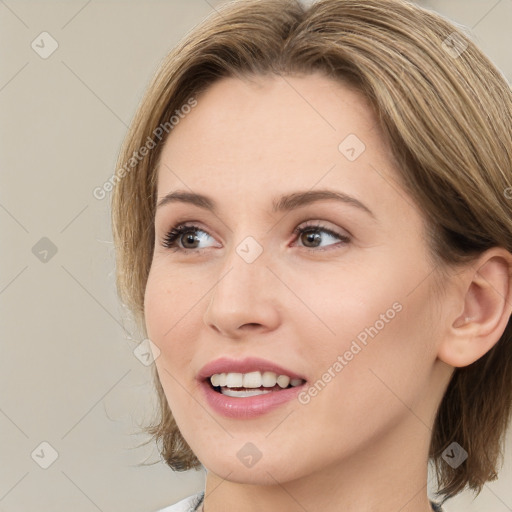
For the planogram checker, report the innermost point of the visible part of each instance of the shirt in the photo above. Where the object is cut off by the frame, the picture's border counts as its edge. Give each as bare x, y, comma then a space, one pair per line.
189, 504
192, 504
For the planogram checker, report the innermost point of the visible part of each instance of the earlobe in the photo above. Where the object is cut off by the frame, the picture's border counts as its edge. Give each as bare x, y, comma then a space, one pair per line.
486, 309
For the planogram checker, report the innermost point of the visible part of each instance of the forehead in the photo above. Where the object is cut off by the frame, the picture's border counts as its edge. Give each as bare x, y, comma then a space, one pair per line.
254, 138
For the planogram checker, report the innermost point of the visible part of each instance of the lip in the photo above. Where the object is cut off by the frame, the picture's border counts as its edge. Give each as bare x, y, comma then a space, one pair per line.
248, 407
249, 364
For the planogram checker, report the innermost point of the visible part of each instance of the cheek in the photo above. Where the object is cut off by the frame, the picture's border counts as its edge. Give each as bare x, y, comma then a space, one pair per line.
156, 307
168, 310
169, 299
376, 344
166, 317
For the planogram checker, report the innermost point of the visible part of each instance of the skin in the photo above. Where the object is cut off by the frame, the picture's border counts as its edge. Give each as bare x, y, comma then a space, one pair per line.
361, 444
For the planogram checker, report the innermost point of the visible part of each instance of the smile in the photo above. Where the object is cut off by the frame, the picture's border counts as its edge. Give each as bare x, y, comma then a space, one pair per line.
246, 403
251, 384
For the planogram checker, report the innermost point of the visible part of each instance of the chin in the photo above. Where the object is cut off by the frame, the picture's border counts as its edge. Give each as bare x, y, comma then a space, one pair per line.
267, 470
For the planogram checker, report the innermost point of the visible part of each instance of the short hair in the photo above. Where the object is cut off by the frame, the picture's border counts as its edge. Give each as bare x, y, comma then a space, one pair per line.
446, 113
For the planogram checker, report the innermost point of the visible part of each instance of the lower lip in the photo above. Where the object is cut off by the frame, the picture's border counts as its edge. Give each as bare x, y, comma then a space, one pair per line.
248, 407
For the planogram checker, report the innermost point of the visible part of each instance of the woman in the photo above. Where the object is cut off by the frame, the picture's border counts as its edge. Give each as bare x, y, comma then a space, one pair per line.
312, 221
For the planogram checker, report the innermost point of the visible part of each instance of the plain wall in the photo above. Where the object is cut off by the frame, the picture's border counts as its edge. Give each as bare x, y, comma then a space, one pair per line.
68, 373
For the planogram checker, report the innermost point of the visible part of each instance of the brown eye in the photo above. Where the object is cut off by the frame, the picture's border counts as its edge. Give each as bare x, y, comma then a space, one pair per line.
311, 236
179, 238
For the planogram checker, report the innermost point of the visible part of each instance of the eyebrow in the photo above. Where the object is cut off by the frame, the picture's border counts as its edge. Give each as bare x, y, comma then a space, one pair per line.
284, 203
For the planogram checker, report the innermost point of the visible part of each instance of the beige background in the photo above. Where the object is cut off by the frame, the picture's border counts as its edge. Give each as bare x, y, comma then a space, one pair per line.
68, 373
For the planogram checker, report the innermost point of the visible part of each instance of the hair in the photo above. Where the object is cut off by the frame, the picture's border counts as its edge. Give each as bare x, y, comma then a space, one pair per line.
447, 117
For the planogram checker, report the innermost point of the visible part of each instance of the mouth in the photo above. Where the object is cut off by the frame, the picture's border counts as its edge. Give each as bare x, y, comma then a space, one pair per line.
248, 388
243, 385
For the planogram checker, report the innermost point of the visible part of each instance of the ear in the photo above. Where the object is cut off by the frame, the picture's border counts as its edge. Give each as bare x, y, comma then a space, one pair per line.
484, 309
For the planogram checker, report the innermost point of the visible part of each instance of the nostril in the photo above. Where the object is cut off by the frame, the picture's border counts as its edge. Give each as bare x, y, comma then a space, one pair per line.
250, 326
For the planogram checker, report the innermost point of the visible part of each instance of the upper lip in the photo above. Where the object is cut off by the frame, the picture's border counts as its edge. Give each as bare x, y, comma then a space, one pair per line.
249, 364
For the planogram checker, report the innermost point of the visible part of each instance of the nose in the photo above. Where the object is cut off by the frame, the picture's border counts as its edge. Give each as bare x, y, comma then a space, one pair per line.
244, 298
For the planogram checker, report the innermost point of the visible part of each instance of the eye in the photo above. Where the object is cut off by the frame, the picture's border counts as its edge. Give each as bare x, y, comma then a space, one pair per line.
185, 238
186, 234
311, 235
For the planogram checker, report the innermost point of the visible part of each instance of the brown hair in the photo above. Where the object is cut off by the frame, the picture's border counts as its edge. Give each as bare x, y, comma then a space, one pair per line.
446, 112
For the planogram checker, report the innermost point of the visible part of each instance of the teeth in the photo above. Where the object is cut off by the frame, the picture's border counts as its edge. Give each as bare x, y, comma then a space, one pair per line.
234, 380
253, 380
283, 381
244, 394
216, 379
269, 379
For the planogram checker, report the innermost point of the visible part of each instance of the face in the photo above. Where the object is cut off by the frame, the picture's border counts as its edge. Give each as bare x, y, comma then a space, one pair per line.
337, 291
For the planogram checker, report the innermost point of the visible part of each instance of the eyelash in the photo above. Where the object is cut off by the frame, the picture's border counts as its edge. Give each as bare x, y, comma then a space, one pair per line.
169, 242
